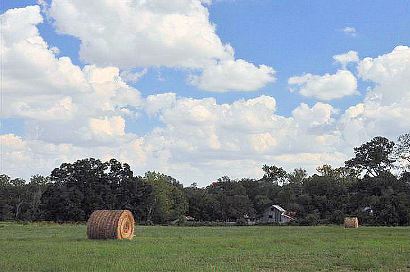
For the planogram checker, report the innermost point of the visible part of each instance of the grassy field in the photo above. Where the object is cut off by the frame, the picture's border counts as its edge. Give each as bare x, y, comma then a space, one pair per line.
52, 247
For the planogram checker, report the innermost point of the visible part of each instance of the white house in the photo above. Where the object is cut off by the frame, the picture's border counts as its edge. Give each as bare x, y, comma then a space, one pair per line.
275, 214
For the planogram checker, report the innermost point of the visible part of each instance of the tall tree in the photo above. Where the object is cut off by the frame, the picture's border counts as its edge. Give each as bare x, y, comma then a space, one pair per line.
402, 150
37, 186
168, 201
274, 174
373, 157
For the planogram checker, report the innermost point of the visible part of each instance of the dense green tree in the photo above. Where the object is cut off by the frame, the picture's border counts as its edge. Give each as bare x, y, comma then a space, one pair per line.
196, 202
5, 187
230, 199
259, 193
19, 198
373, 157
387, 197
37, 186
168, 201
81, 187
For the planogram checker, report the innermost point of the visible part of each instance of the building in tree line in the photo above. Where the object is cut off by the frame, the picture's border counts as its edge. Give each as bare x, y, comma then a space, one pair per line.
275, 214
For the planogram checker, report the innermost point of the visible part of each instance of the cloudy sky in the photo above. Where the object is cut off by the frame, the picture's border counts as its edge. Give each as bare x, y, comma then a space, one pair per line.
198, 89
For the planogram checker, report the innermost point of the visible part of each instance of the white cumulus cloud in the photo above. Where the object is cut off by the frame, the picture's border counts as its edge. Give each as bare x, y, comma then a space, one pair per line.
386, 107
326, 87
55, 97
319, 114
129, 34
233, 75
346, 58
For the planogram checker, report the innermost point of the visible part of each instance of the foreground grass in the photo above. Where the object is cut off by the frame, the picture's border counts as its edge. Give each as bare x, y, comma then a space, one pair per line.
52, 247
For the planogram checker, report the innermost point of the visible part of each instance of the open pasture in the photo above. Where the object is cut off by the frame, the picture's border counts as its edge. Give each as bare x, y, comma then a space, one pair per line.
53, 247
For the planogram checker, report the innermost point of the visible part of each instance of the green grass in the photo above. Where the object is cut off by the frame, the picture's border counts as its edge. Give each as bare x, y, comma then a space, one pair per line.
52, 247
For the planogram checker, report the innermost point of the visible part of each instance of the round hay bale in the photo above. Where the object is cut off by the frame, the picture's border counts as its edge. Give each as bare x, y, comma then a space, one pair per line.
351, 222
110, 224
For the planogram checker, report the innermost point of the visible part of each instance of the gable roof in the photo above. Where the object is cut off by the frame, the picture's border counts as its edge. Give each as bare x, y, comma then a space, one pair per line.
279, 208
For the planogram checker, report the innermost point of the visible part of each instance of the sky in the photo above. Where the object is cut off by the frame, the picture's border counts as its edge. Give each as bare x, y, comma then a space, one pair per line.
200, 89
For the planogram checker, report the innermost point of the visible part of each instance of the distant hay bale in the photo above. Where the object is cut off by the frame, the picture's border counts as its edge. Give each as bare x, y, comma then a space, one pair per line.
110, 224
351, 222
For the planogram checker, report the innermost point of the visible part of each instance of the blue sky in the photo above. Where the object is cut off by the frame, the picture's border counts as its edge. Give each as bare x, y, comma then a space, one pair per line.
292, 37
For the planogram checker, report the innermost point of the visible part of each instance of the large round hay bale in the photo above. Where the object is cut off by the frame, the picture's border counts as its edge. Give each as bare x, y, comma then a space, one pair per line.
110, 224
351, 222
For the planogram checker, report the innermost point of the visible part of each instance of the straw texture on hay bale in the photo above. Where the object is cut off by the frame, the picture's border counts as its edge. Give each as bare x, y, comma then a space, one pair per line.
351, 222
110, 224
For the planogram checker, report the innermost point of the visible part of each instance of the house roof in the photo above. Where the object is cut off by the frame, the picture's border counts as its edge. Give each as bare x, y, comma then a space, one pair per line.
279, 208
287, 216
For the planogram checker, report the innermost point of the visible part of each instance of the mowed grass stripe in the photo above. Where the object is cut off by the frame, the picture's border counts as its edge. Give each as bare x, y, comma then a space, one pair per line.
53, 247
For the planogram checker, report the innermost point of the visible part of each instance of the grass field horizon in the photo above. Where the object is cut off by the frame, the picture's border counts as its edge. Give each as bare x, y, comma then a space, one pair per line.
65, 247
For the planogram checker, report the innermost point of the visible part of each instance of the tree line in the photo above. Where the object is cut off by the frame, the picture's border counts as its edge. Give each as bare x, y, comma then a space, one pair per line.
373, 185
